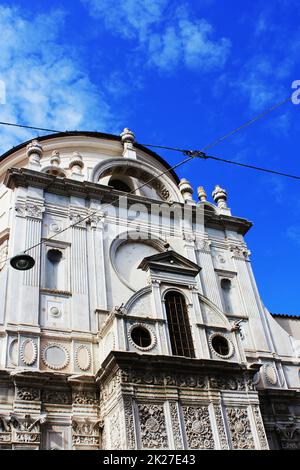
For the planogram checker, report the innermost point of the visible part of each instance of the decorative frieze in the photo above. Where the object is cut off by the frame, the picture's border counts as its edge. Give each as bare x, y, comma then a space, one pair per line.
198, 427
176, 426
129, 426
27, 393
85, 398
152, 426
240, 430
260, 428
56, 397
220, 427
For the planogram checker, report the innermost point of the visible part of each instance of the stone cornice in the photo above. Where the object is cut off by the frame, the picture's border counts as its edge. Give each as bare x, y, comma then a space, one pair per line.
68, 187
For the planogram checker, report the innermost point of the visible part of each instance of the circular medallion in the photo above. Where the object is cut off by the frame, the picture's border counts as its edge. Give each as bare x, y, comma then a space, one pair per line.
152, 424
197, 426
55, 356
239, 428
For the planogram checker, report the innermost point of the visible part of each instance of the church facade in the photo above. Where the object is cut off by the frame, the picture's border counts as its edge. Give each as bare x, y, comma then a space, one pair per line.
140, 325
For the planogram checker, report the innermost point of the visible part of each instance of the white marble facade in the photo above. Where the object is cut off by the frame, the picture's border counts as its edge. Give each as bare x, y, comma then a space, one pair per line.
73, 374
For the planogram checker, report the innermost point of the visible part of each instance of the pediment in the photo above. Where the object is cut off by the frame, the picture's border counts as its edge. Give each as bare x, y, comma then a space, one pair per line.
170, 261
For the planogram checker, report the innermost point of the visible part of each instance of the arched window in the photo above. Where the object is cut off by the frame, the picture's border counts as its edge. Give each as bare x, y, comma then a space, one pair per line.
179, 326
119, 185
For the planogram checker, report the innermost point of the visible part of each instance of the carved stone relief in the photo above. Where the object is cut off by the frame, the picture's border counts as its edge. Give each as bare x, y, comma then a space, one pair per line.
260, 428
28, 352
128, 412
220, 427
152, 426
55, 356
239, 425
83, 357
176, 426
198, 427
85, 432
27, 393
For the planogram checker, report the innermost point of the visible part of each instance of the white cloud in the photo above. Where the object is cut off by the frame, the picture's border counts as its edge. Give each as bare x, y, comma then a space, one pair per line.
165, 37
45, 85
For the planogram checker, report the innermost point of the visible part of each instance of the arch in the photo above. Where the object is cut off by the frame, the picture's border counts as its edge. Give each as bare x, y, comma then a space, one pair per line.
178, 324
136, 297
131, 236
164, 186
216, 310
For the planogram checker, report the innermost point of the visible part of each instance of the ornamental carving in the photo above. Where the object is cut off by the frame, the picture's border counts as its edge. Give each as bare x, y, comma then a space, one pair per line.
289, 435
114, 427
78, 219
27, 429
239, 425
230, 346
85, 432
260, 428
128, 412
198, 427
55, 356
153, 426
270, 374
239, 251
83, 357
150, 331
165, 379
27, 393
34, 211
220, 427
227, 383
56, 397
176, 426
28, 352
85, 398
5, 429
204, 245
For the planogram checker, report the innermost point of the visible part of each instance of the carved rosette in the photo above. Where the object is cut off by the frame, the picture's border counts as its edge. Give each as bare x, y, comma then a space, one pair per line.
260, 428
240, 430
198, 427
128, 413
153, 426
220, 427
176, 426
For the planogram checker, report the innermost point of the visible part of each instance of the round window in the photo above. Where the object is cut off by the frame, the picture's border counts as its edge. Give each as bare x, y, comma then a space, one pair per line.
141, 337
220, 345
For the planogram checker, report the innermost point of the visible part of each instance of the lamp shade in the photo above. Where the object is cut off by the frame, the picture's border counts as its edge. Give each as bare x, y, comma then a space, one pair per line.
22, 262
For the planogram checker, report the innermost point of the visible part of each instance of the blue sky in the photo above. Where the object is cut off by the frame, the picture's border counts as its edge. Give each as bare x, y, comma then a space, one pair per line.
181, 74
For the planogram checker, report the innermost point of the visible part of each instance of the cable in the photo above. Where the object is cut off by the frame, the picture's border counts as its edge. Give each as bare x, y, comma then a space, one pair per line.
191, 155
186, 160
229, 134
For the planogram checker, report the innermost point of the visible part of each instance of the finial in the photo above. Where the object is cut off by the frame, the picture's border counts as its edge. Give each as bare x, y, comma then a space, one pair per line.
55, 158
127, 135
220, 196
186, 189
34, 153
76, 164
201, 194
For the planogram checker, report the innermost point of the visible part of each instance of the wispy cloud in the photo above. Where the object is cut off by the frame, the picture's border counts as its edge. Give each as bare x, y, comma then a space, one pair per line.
293, 233
45, 85
166, 37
